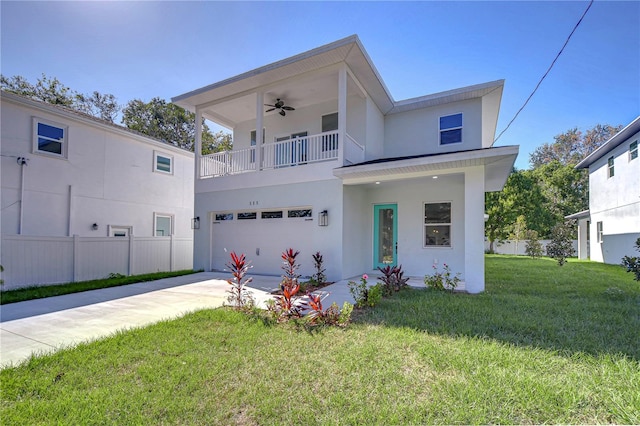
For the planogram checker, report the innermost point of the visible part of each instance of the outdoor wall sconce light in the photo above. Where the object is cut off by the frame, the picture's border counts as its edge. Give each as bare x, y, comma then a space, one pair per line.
94, 226
195, 223
323, 218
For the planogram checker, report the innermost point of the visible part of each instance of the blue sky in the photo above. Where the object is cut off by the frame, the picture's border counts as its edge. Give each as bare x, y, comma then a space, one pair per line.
147, 49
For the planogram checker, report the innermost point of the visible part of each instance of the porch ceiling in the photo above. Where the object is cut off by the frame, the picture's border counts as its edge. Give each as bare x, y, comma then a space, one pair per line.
498, 163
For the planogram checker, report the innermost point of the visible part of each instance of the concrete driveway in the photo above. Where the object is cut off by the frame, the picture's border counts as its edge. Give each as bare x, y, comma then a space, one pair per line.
46, 325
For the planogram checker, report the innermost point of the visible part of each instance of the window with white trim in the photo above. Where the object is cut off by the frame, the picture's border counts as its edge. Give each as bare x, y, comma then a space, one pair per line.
610, 167
162, 163
49, 138
599, 232
254, 138
162, 225
451, 129
633, 150
120, 231
329, 124
437, 224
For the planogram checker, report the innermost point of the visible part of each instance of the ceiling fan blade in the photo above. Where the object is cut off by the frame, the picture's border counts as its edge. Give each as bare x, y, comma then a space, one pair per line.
270, 109
270, 105
288, 108
282, 113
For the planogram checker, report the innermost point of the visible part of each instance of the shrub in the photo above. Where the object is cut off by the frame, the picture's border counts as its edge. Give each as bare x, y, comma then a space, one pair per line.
533, 246
287, 303
633, 263
561, 245
364, 295
239, 296
392, 279
318, 261
442, 280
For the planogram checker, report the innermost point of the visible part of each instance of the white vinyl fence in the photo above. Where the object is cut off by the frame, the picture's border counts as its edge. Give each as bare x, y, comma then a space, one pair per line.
31, 260
510, 247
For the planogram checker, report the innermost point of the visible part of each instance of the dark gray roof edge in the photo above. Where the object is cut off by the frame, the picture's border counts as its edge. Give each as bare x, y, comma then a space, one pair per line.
579, 215
624, 134
411, 157
83, 116
274, 65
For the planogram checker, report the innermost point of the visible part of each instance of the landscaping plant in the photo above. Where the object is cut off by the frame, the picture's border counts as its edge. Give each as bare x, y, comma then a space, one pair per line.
533, 247
561, 245
392, 279
633, 263
442, 280
239, 296
287, 303
318, 261
363, 294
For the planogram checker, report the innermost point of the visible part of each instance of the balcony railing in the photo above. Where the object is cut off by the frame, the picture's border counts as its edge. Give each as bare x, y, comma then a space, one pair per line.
287, 153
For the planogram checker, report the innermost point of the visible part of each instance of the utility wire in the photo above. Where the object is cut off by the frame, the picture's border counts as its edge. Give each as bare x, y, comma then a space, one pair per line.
545, 74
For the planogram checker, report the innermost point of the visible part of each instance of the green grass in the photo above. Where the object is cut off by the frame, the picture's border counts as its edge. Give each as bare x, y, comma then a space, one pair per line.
543, 344
30, 293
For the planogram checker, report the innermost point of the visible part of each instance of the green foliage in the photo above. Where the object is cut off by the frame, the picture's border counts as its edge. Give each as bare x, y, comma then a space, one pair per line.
393, 279
442, 280
318, 262
561, 245
115, 276
331, 316
363, 294
519, 230
633, 263
239, 297
52, 91
533, 247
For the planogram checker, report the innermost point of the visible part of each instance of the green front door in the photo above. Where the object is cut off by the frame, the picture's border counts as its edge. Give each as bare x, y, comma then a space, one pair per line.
385, 235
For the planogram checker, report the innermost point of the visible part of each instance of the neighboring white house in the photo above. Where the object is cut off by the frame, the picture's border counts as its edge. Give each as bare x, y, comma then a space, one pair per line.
611, 226
344, 169
83, 198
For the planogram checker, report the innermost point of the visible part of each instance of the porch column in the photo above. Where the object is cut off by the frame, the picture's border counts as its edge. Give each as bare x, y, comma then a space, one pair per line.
198, 143
474, 229
342, 113
259, 126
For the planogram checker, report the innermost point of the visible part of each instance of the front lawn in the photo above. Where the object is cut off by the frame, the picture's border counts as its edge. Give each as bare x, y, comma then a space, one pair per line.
543, 344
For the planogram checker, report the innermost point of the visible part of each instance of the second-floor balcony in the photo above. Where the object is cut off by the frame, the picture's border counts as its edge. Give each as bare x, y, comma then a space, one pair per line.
283, 153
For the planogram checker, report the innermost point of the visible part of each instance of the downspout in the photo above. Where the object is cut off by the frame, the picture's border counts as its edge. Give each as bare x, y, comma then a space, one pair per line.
22, 162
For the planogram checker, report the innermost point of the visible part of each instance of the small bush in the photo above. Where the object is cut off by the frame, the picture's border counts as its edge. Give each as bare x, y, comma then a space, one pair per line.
239, 297
318, 264
332, 316
561, 245
363, 294
533, 247
287, 303
115, 276
442, 280
633, 263
392, 279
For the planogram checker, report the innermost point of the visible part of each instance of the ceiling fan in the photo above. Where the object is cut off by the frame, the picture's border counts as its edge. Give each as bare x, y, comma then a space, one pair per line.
281, 106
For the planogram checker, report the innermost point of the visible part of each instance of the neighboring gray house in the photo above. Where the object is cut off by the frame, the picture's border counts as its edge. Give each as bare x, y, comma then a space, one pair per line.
326, 160
609, 229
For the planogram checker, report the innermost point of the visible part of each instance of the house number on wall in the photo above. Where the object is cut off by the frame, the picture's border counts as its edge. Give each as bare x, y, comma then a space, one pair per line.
253, 203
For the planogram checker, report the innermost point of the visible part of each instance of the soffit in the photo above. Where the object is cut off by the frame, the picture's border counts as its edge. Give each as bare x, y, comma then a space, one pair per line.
498, 163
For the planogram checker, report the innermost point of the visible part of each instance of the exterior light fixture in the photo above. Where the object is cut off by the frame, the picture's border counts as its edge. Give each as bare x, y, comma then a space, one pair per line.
195, 222
94, 226
323, 218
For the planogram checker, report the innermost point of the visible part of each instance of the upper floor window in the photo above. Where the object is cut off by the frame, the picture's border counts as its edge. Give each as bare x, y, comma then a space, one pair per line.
254, 138
329, 124
49, 138
633, 150
610, 167
451, 129
162, 163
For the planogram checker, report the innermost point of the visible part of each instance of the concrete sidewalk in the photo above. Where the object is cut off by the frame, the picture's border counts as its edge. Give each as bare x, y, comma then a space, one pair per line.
46, 325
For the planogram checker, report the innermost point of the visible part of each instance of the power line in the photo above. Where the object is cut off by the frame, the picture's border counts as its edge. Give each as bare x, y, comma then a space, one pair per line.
545, 74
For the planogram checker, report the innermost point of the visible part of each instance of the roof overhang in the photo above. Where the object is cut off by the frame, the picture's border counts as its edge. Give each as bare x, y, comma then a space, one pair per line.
498, 163
580, 215
624, 134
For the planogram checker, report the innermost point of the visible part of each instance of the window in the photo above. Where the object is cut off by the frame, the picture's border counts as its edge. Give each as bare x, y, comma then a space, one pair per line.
163, 163
300, 213
272, 215
224, 216
599, 232
437, 224
610, 166
451, 129
49, 138
633, 150
329, 123
163, 225
254, 137
247, 215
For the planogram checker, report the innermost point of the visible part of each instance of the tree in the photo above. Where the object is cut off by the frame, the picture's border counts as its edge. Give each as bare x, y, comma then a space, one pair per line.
533, 246
561, 245
172, 124
521, 195
52, 91
571, 147
519, 230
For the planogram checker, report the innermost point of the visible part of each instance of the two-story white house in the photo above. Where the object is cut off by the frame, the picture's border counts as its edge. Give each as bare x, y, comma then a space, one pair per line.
83, 198
609, 229
326, 160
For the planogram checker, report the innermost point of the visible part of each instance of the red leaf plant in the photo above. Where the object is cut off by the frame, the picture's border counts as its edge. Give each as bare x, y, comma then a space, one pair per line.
239, 296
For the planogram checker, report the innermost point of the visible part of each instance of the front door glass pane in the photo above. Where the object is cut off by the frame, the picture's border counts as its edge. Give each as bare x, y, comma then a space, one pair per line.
385, 235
